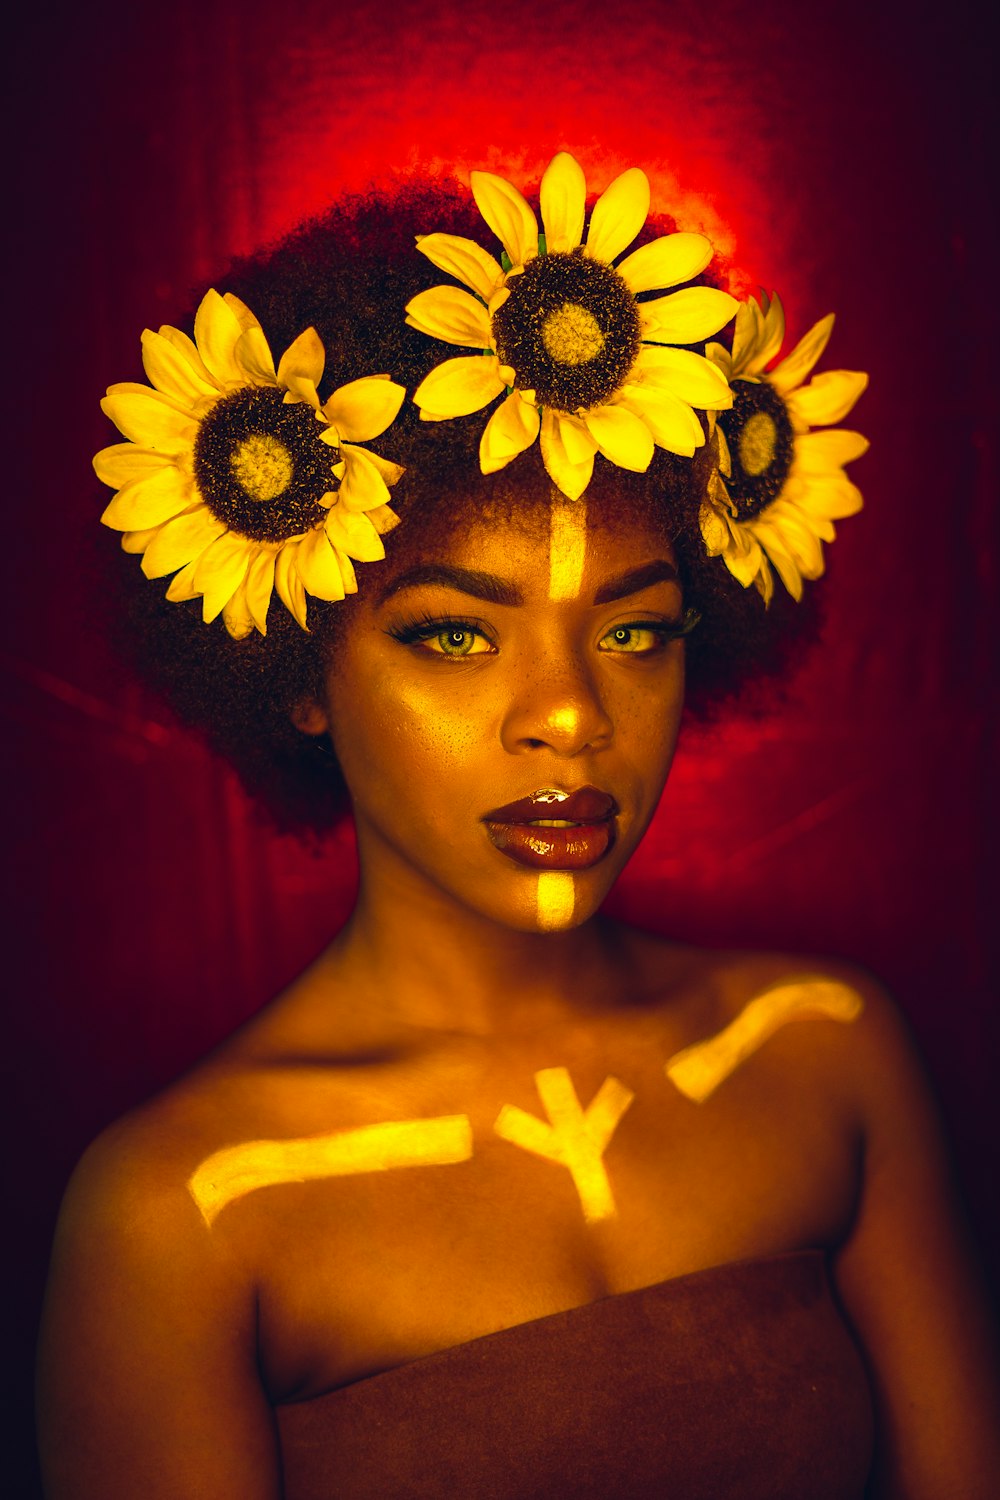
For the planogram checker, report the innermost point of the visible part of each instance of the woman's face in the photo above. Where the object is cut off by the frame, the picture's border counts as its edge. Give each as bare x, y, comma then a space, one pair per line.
529, 660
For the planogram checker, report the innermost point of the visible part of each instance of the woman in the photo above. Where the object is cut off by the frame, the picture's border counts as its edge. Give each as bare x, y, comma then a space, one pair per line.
502, 1197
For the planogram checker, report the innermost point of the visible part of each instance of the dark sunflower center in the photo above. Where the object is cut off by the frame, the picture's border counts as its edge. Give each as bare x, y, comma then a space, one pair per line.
260, 465
569, 330
760, 441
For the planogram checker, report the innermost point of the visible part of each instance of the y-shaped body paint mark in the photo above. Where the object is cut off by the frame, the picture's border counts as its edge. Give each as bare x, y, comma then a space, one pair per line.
237, 1170
556, 899
576, 1138
567, 546
698, 1070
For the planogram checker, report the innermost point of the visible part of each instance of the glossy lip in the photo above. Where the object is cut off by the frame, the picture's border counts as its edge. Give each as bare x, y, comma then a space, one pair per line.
514, 831
584, 805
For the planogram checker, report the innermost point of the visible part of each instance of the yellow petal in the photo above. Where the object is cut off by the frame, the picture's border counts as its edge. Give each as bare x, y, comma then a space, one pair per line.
171, 372
579, 443
725, 457
301, 366
666, 262
821, 452
771, 334
507, 214
254, 357
289, 585
563, 203
383, 519
221, 569
123, 462
512, 428
689, 376
827, 398
452, 315
362, 487
671, 421
138, 541
389, 471
571, 478
817, 523
463, 259
794, 368
216, 331
721, 358
236, 616
622, 437
364, 408
149, 501
188, 349
799, 537
180, 541
182, 584
242, 313
148, 419
354, 534
775, 548
347, 572
714, 531
829, 495
317, 566
745, 339
686, 317
258, 586
618, 215
459, 386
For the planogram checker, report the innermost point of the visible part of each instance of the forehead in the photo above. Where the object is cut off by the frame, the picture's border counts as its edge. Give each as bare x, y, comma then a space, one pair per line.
555, 548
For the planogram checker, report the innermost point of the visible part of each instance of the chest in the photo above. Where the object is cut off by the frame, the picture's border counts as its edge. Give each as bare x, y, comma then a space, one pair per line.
565, 1183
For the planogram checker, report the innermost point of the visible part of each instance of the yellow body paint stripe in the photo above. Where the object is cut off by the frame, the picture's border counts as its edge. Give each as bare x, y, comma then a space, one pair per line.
555, 900
567, 546
237, 1170
698, 1070
575, 1138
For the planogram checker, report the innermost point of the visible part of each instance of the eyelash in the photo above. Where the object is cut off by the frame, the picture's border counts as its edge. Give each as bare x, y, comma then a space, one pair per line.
426, 627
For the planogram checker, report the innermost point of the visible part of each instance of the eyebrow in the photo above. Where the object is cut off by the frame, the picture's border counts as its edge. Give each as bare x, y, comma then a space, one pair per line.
494, 590
480, 585
637, 579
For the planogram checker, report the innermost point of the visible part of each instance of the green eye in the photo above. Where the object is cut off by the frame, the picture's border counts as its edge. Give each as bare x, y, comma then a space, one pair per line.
458, 641
647, 637
638, 639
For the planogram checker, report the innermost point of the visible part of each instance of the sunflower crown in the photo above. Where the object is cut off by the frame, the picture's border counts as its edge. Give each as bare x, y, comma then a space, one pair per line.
776, 486
557, 330
237, 479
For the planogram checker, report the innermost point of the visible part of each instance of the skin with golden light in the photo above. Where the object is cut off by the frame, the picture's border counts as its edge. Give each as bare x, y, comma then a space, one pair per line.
502, 700
479, 1105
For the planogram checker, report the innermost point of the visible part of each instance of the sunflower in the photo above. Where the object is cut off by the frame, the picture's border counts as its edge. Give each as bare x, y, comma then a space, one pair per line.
777, 487
234, 473
559, 331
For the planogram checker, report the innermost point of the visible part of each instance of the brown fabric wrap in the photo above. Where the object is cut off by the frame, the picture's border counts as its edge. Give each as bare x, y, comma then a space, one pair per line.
736, 1383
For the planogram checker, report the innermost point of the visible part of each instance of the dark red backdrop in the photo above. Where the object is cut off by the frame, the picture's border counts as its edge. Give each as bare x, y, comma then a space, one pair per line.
843, 157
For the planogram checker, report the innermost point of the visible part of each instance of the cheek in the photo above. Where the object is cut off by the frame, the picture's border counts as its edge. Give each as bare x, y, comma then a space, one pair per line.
392, 733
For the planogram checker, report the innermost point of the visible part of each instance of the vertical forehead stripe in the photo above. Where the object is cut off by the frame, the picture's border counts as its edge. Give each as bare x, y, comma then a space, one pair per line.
698, 1070
567, 546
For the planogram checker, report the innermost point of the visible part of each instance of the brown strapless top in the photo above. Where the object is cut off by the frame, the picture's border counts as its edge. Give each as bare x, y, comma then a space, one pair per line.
736, 1383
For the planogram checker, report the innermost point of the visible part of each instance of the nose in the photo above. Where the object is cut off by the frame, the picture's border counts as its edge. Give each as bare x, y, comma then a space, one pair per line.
557, 706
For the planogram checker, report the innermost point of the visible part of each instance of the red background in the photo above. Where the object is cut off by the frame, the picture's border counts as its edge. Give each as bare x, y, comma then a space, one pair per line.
842, 155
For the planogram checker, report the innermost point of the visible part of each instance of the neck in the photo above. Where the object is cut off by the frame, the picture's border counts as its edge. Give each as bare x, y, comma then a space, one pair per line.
421, 958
